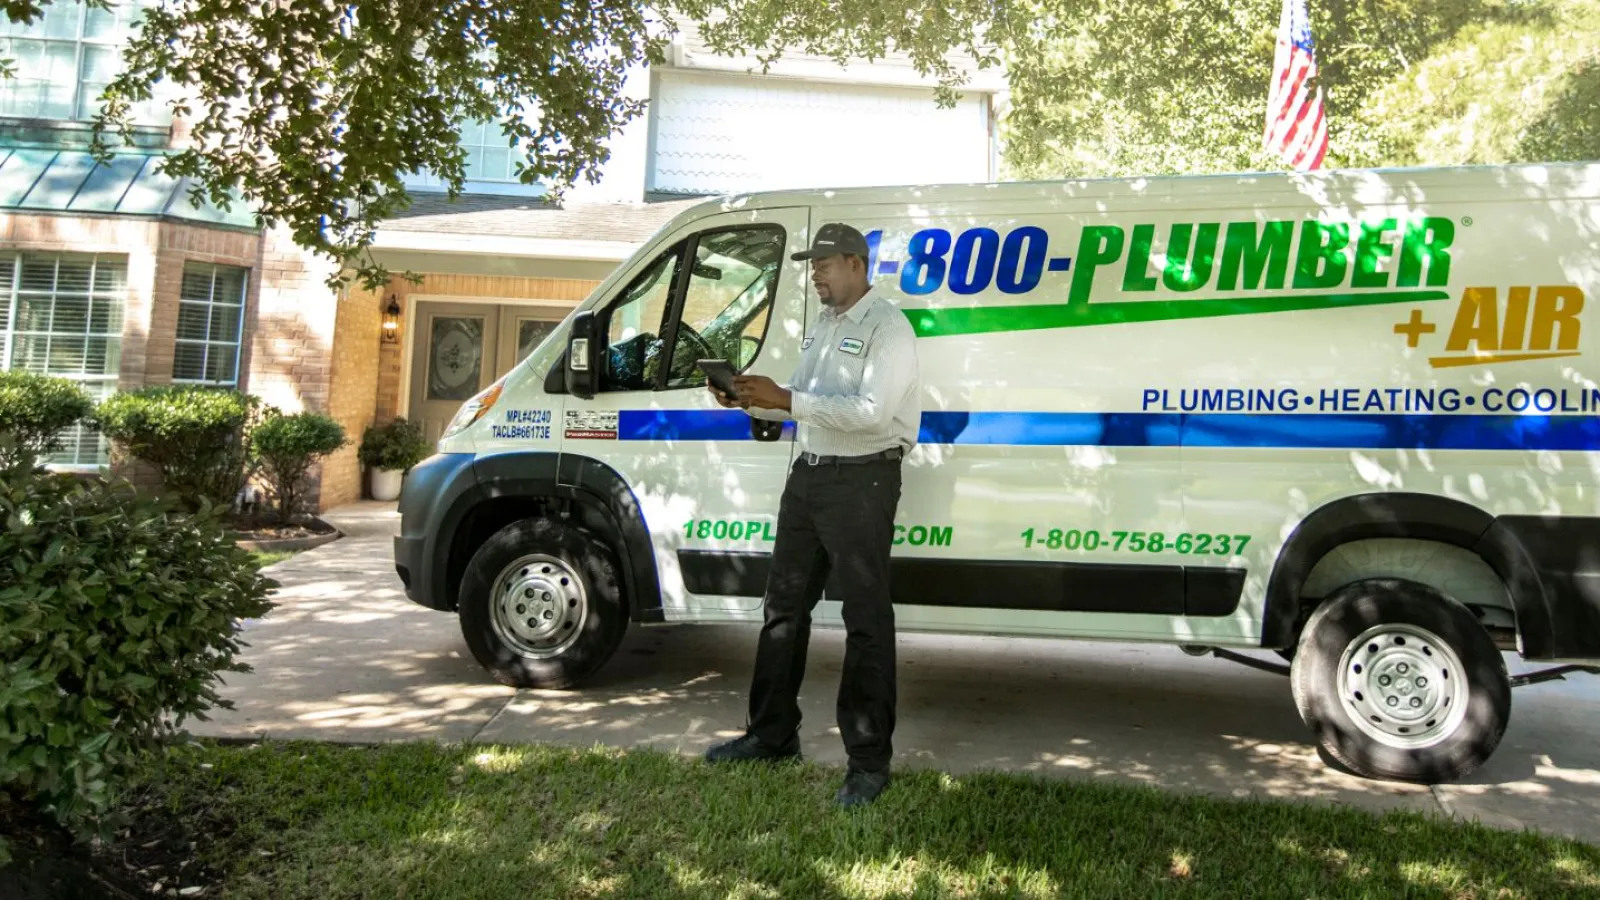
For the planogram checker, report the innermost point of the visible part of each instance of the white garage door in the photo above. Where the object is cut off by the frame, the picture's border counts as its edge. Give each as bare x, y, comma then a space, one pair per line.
729, 133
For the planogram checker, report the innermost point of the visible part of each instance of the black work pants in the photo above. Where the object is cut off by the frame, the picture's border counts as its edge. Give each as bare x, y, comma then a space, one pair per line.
838, 520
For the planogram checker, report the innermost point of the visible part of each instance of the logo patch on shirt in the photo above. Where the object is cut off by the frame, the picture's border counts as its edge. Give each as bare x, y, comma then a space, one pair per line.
805, 344
852, 346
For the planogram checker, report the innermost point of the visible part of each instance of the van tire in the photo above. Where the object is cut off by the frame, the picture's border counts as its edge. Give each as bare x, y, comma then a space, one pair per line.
541, 605
1423, 694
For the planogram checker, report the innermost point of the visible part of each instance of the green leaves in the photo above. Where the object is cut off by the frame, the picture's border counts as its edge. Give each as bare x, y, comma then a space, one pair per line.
1519, 86
301, 434
286, 446
396, 446
116, 617
196, 437
930, 33
313, 113
1179, 86
34, 410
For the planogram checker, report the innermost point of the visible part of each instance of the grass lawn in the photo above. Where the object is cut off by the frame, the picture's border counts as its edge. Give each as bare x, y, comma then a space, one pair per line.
418, 821
267, 558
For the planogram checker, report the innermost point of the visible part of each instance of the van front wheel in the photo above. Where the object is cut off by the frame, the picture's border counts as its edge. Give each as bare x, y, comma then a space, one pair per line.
541, 605
1399, 681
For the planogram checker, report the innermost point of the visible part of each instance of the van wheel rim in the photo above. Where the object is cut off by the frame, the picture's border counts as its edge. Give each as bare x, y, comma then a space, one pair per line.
539, 607
1403, 686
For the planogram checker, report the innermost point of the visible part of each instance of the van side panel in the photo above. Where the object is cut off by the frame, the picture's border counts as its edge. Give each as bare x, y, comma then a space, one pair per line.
1450, 381
1041, 495
1175, 381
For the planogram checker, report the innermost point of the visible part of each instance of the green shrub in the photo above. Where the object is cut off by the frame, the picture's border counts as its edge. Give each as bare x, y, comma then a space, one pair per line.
117, 616
196, 437
285, 447
34, 410
396, 447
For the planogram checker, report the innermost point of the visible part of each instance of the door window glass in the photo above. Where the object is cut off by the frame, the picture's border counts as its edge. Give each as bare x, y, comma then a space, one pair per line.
455, 357
728, 300
530, 334
634, 332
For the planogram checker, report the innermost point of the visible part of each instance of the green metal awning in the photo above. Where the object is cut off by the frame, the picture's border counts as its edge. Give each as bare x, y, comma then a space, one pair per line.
71, 181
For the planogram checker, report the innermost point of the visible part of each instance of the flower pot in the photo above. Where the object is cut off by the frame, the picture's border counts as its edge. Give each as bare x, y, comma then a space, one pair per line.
386, 483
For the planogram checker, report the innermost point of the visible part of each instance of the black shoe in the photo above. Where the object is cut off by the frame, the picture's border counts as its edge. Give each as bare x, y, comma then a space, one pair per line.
748, 747
861, 788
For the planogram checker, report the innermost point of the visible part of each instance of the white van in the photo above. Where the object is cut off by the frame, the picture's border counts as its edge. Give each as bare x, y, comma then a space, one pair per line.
1352, 417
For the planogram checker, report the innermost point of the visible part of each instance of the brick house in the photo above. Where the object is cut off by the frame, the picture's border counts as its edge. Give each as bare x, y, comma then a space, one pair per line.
110, 275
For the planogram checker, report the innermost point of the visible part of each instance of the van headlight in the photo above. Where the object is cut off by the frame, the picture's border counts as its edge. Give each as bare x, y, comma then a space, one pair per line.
473, 410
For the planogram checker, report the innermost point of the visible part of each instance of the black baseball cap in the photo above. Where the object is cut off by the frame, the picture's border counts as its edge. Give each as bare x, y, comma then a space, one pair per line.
833, 239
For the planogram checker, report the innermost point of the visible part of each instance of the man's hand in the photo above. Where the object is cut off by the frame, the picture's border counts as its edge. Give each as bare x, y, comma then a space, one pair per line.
762, 392
722, 399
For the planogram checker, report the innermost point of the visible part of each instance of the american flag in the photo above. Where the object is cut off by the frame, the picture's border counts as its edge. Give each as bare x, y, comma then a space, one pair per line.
1297, 130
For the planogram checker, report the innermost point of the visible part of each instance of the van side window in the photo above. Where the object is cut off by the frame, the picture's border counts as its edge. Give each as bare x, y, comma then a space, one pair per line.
636, 325
728, 300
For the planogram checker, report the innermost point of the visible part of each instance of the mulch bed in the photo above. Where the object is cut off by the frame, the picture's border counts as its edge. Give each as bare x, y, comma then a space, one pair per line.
151, 858
245, 529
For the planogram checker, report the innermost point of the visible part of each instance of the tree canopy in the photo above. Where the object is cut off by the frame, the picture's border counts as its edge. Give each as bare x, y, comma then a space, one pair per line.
1405, 82
1523, 87
314, 111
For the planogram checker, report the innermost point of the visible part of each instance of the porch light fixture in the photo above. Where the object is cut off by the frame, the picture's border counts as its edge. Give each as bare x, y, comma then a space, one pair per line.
391, 321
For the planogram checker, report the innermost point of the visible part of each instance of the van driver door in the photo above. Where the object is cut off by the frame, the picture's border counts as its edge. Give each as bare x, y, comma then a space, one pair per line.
723, 287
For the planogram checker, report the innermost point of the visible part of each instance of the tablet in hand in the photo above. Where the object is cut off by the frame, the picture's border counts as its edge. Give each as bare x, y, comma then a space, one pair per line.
721, 373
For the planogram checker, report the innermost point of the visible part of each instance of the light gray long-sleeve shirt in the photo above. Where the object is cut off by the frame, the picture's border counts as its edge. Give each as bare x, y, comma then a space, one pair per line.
857, 389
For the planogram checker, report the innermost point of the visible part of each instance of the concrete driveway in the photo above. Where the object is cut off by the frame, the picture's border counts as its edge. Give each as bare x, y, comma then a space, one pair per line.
346, 657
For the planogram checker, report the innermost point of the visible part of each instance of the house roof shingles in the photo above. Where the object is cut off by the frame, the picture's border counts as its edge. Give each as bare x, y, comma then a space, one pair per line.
532, 217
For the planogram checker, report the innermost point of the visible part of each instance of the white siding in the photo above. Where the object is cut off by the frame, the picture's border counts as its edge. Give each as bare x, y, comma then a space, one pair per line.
717, 133
690, 51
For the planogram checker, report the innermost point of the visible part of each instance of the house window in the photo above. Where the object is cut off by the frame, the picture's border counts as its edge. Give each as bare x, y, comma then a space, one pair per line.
490, 156
210, 324
62, 315
65, 59
489, 166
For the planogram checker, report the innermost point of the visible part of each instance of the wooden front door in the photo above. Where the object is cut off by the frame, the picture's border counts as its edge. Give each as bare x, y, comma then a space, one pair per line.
461, 348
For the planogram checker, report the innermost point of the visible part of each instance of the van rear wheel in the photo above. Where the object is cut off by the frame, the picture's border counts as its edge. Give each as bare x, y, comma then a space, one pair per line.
1398, 681
541, 605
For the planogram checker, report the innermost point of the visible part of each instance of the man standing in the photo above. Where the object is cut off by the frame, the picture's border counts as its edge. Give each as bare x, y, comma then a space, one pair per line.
856, 399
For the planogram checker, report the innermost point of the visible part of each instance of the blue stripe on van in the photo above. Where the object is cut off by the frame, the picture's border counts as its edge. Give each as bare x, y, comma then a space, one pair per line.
687, 425
1052, 429
1281, 430
1394, 432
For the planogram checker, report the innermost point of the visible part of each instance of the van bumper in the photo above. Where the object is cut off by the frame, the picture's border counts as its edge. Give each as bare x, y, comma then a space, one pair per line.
436, 494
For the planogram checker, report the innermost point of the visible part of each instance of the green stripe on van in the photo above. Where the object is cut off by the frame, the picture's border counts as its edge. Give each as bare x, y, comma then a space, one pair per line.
985, 319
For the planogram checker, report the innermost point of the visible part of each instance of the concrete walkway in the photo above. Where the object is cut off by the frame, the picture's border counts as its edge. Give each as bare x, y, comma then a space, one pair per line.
347, 657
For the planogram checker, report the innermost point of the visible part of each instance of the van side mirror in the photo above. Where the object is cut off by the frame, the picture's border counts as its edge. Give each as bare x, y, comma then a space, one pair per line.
583, 356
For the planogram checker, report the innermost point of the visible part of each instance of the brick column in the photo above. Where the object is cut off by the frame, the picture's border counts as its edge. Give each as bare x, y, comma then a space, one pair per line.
353, 397
292, 343
291, 350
